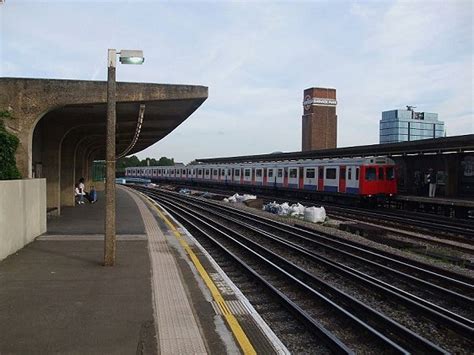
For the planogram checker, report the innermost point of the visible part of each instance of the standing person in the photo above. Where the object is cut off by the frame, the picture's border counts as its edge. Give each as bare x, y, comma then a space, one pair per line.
78, 195
432, 183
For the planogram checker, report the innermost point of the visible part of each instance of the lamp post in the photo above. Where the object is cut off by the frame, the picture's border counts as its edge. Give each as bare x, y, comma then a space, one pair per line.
126, 57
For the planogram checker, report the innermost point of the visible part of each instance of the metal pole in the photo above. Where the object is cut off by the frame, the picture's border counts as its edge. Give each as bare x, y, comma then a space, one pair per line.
110, 240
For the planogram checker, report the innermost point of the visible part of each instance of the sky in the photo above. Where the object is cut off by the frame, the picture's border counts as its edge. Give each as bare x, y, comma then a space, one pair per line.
257, 57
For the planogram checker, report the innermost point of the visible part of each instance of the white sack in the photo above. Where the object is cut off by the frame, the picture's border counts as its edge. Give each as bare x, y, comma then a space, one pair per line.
315, 214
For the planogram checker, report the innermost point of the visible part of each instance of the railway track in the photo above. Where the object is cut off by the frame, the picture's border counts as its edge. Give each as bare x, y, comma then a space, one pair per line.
445, 230
311, 273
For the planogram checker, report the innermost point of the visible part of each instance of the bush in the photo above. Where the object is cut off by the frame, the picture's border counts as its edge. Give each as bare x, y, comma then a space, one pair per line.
8, 145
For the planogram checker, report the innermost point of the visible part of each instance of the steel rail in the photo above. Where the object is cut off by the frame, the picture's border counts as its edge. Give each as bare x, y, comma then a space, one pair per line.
414, 266
461, 324
410, 338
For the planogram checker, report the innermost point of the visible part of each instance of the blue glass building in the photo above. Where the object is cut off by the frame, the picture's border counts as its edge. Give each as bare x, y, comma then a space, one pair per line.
408, 125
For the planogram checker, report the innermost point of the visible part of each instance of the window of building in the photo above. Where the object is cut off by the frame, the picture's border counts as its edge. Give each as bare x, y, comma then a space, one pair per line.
331, 173
293, 173
310, 173
370, 174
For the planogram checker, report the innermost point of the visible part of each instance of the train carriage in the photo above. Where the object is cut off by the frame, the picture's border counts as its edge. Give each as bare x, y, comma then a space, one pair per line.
350, 176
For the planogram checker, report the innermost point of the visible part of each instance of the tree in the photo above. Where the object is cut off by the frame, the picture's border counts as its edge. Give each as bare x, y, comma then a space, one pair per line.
8, 145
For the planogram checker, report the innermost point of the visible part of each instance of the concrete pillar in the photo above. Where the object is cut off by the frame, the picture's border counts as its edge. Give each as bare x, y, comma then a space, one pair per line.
451, 168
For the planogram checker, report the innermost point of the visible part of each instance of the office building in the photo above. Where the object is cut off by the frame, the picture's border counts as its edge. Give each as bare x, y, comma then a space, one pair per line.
408, 125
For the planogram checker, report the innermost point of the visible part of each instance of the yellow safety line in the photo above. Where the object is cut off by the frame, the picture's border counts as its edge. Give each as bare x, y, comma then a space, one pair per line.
239, 333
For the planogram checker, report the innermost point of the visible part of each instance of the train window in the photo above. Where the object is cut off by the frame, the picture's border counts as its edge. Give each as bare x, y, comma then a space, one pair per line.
390, 173
380, 173
207, 171
310, 173
237, 172
200, 171
229, 172
222, 172
293, 173
258, 173
270, 173
357, 173
331, 173
247, 172
280, 173
349, 173
321, 173
370, 174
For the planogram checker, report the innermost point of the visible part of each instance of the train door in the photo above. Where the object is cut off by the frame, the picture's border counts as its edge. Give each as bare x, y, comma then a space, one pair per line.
265, 176
247, 175
271, 177
331, 179
280, 177
258, 176
207, 174
285, 177
352, 180
342, 179
310, 179
223, 177
301, 178
293, 178
237, 175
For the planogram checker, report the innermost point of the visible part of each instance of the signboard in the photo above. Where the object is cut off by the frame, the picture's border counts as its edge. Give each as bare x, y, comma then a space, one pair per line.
317, 101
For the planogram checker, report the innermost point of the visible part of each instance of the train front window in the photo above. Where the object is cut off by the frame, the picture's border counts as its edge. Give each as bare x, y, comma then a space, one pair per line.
390, 173
380, 173
370, 174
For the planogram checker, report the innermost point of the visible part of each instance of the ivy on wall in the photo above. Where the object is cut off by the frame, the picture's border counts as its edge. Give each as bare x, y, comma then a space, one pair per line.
8, 145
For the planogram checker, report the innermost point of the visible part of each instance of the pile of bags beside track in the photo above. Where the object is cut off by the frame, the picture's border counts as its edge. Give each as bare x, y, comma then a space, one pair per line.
239, 198
310, 214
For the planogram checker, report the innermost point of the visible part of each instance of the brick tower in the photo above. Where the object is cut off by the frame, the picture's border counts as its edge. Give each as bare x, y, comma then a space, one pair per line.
319, 119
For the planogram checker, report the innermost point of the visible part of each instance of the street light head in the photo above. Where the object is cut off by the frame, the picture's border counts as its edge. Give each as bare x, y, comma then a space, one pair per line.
131, 57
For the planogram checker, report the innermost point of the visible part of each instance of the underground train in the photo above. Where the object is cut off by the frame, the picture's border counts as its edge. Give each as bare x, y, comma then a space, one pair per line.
366, 177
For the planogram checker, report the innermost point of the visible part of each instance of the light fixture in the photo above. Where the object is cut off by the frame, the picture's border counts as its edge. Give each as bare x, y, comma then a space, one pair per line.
131, 57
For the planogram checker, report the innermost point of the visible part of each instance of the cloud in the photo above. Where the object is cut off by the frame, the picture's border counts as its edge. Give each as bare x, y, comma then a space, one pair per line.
257, 57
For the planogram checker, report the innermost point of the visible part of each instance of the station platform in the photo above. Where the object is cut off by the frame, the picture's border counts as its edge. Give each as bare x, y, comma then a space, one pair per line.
57, 297
462, 208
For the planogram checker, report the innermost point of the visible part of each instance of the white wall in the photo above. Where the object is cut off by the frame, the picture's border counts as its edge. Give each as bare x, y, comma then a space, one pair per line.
22, 213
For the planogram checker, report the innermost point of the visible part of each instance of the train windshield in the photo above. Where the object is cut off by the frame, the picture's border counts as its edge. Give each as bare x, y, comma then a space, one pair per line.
370, 174
390, 173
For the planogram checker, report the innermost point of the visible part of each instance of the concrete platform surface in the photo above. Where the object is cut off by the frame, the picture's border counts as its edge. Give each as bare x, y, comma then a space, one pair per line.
56, 297
89, 218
